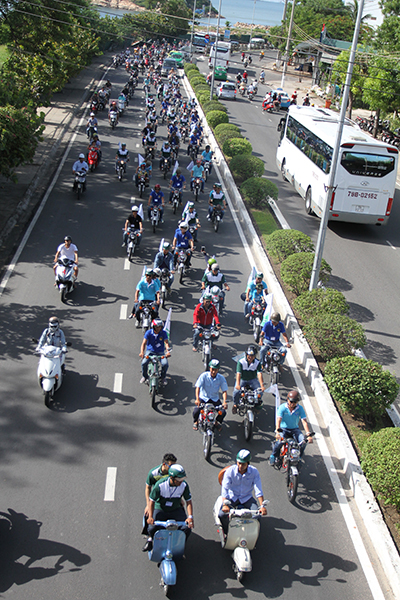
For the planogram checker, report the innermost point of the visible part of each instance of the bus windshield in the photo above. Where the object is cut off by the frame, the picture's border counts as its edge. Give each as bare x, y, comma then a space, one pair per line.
367, 165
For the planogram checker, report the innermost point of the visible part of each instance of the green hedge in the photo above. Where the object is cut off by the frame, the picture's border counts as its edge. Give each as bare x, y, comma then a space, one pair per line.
201, 88
203, 97
214, 105
381, 465
226, 127
196, 80
256, 190
284, 242
215, 117
229, 135
361, 387
236, 146
243, 166
321, 300
333, 335
296, 271
189, 67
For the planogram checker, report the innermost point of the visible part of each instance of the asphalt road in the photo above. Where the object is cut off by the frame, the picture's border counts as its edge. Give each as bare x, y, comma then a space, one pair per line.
67, 542
364, 258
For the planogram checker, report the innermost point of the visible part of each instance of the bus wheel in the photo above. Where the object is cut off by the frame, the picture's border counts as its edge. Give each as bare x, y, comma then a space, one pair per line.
283, 170
309, 210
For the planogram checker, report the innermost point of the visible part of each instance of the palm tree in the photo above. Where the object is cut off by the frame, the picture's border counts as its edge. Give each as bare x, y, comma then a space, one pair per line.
352, 9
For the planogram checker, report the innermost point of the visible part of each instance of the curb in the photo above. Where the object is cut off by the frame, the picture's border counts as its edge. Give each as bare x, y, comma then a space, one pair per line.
361, 491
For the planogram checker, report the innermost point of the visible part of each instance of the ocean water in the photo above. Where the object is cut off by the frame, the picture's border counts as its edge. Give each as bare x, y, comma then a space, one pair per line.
265, 12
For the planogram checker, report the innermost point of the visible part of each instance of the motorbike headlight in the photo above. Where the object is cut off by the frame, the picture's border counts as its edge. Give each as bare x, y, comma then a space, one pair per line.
295, 453
211, 416
243, 543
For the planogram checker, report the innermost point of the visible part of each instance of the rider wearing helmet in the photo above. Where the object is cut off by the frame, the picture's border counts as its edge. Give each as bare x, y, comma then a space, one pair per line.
155, 342
207, 388
183, 240
217, 198
205, 315
239, 483
166, 502
207, 155
288, 418
147, 292
165, 260
177, 182
249, 374
259, 279
122, 154
135, 222
80, 166
156, 198
197, 173
67, 250
215, 278
54, 336
270, 337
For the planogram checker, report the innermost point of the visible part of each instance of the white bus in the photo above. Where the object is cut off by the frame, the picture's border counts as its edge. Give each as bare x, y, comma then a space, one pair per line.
223, 50
365, 179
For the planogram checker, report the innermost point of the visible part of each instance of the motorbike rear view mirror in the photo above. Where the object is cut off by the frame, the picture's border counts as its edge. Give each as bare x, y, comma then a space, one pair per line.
35, 340
243, 296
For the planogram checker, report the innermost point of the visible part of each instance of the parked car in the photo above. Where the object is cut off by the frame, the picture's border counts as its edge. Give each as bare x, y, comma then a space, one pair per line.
227, 90
168, 64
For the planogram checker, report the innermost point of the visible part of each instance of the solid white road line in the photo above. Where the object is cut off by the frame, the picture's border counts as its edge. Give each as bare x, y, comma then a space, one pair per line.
127, 264
123, 312
111, 480
117, 383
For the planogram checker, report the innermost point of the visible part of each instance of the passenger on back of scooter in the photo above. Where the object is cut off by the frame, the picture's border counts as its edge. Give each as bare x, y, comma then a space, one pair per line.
96, 145
67, 250
270, 337
54, 336
165, 503
259, 279
135, 222
249, 373
156, 342
238, 485
147, 290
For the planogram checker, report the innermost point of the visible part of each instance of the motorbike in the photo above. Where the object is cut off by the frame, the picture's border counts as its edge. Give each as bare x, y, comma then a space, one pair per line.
142, 184
79, 184
193, 232
208, 335
184, 131
165, 286
155, 217
193, 151
133, 238
165, 167
154, 376
91, 131
93, 159
289, 461
176, 198
217, 297
181, 267
121, 105
255, 318
168, 547
120, 168
261, 79
206, 166
242, 89
150, 150
113, 119
207, 425
196, 188
50, 371
249, 402
146, 315
272, 362
65, 277
216, 216
243, 532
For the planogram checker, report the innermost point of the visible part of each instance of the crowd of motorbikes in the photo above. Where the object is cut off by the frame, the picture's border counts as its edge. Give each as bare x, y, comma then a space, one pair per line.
244, 525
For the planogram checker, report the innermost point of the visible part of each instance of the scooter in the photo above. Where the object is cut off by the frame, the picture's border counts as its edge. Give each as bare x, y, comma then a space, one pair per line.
133, 239
50, 370
243, 532
176, 199
208, 335
168, 547
273, 362
93, 159
65, 277
155, 217
249, 404
80, 183
181, 259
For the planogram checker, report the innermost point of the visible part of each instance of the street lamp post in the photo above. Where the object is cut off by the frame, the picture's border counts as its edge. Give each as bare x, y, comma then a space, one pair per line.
192, 32
215, 53
252, 24
286, 57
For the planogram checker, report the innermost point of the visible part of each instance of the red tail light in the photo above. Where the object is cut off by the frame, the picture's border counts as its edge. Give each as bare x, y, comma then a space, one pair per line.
389, 206
332, 201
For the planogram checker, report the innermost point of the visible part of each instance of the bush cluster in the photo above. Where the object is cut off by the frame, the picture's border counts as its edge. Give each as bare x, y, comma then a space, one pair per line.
214, 105
321, 300
256, 190
380, 463
361, 387
334, 335
215, 117
284, 242
243, 167
296, 271
236, 146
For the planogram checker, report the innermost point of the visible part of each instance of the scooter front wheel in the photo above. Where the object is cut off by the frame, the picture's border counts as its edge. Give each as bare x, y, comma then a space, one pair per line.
292, 486
206, 445
63, 294
239, 575
47, 398
248, 428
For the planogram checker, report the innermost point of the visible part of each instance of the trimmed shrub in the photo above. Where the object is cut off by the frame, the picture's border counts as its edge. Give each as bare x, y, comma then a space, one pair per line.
226, 127
200, 88
203, 97
380, 463
361, 387
236, 146
296, 271
215, 117
244, 167
284, 242
333, 335
229, 135
321, 300
197, 80
256, 190
214, 105
189, 67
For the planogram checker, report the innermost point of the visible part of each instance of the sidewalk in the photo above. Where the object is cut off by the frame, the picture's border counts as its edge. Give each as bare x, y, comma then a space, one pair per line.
18, 201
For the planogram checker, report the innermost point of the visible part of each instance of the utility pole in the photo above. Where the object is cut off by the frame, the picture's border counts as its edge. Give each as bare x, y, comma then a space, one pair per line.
286, 57
215, 53
282, 26
192, 32
330, 187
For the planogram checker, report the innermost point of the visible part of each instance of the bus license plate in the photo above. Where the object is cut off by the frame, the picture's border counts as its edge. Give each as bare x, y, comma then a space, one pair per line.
360, 208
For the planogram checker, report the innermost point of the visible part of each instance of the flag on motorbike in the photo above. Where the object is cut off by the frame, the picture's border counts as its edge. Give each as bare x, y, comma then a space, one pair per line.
140, 211
176, 166
252, 276
141, 160
167, 326
190, 166
161, 245
273, 389
268, 309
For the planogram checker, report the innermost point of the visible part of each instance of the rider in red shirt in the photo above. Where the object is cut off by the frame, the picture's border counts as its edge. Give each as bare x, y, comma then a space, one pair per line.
205, 314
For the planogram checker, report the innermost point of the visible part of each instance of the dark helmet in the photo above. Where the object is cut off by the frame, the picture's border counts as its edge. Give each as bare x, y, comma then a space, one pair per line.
293, 396
214, 364
275, 317
251, 351
243, 456
68, 238
54, 324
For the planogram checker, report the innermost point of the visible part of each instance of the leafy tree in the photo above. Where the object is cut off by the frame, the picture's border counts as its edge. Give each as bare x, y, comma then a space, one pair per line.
360, 71
382, 88
20, 131
381, 465
284, 242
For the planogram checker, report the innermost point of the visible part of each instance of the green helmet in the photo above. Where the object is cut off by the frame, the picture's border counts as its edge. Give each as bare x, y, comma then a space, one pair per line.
177, 471
211, 262
243, 456
214, 364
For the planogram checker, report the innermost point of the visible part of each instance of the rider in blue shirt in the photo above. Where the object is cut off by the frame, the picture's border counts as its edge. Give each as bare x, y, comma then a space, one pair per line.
207, 155
197, 172
156, 198
288, 418
177, 182
155, 341
271, 332
207, 389
183, 240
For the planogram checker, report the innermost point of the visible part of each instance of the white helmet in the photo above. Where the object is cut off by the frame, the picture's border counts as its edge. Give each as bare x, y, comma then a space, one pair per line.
81, 155
134, 208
